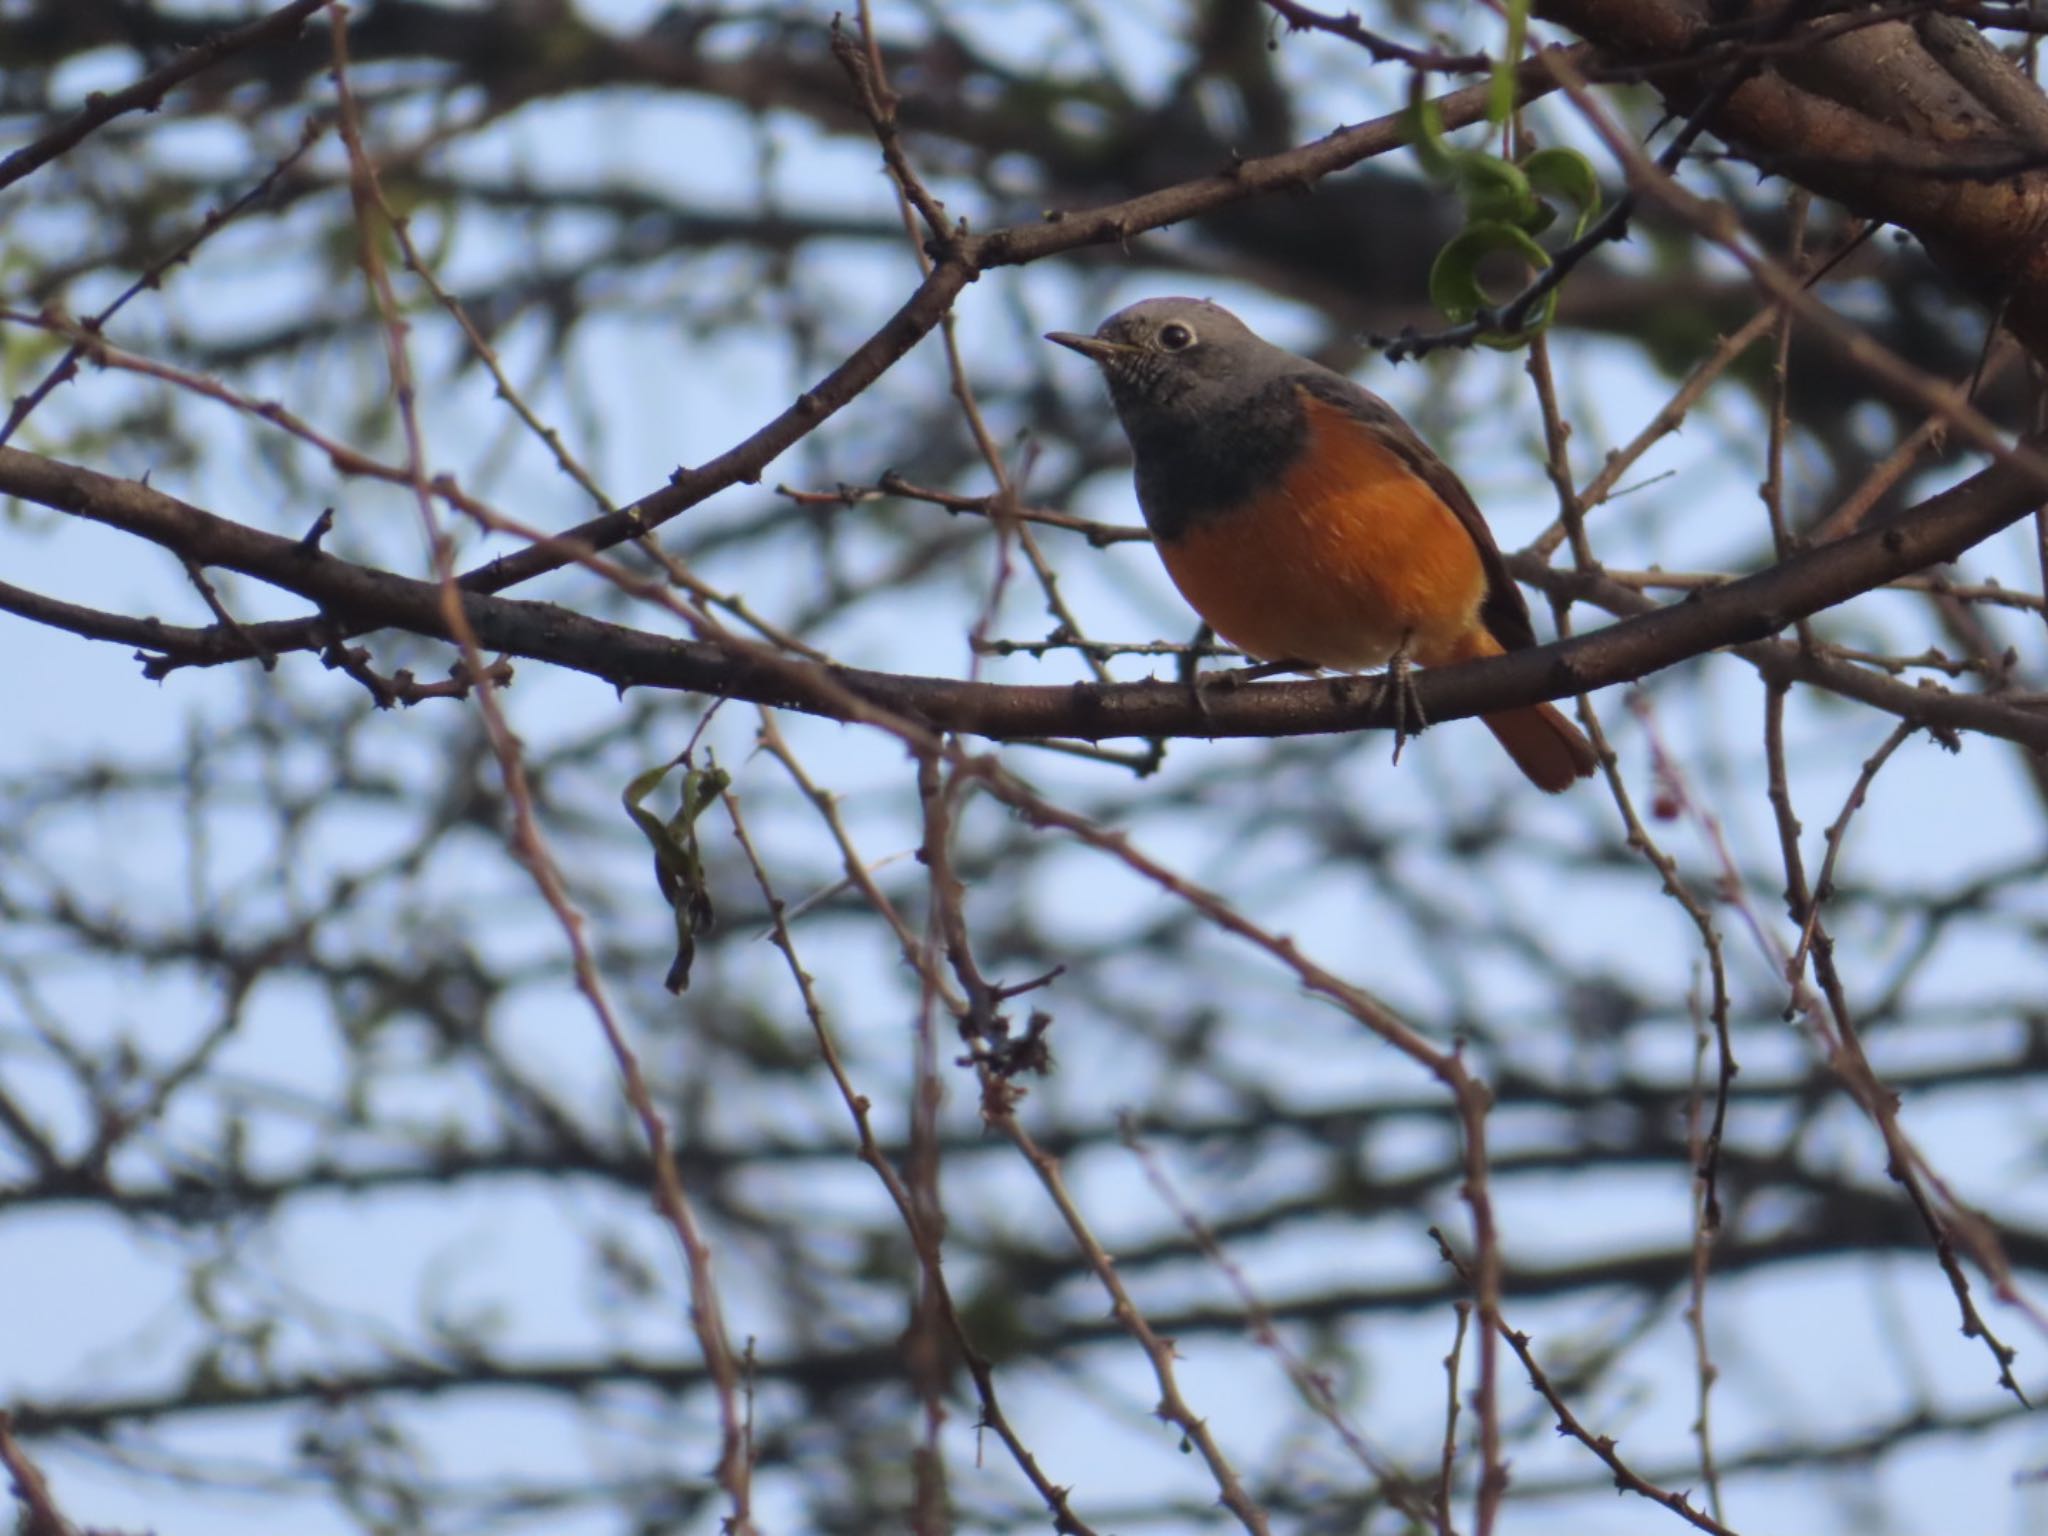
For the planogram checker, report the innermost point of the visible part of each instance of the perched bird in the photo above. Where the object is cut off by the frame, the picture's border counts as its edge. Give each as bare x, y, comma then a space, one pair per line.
1305, 520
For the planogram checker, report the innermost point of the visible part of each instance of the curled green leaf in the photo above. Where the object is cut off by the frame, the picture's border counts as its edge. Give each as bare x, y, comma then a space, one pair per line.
1456, 289
678, 862
1493, 188
1565, 176
1454, 284
1424, 126
1495, 191
1507, 203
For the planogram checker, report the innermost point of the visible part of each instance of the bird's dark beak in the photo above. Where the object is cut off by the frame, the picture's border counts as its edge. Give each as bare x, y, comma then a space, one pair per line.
1094, 348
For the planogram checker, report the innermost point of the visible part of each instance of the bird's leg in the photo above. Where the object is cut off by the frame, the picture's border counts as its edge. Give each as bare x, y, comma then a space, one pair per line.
1396, 686
1190, 667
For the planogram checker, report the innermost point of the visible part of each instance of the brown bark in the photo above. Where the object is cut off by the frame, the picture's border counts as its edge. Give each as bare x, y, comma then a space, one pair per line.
1742, 612
1936, 141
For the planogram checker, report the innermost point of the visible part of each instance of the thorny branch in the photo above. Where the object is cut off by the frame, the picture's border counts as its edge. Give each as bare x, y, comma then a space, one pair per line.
1740, 612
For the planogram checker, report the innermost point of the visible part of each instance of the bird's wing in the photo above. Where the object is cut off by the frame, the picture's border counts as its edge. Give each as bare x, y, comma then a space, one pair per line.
1503, 611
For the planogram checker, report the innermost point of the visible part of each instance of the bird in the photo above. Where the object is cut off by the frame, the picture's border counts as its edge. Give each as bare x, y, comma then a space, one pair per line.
1306, 522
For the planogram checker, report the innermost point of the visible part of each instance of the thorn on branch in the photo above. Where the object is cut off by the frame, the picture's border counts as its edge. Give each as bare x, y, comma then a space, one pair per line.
402, 687
322, 526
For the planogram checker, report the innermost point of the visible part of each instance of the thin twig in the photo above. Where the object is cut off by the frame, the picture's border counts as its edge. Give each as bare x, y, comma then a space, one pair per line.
870, 1152
1778, 427
1947, 1221
152, 277
1301, 18
147, 94
1172, 1406
224, 618
1448, 1460
40, 1515
734, 1466
1706, 1227
1824, 883
1096, 533
1572, 526
1313, 1385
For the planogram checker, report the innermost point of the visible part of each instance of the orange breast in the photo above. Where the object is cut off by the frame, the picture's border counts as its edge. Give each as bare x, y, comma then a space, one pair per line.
1346, 554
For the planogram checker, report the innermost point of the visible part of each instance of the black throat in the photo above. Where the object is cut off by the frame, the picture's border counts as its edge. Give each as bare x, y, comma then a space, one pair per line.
1194, 468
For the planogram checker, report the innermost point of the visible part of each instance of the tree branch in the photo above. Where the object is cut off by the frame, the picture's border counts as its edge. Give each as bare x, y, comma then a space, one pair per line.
1863, 135
1742, 612
147, 94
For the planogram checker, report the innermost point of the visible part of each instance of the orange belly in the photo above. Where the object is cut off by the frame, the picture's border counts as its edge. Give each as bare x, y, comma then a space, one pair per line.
1347, 555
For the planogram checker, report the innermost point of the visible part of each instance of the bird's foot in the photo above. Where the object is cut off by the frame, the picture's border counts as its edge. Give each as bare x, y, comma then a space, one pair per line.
1395, 690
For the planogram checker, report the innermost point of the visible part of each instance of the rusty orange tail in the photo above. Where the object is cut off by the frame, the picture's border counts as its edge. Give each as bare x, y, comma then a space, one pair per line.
1548, 748
1545, 746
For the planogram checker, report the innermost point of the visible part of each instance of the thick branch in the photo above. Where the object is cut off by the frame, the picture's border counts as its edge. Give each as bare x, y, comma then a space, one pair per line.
1863, 137
958, 266
1742, 612
969, 258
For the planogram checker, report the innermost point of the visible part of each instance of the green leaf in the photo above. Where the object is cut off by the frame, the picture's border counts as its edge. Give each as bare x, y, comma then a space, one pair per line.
678, 864
1424, 126
1506, 203
1455, 288
1495, 191
1500, 101
1566, 176
1454, 284
1493, 188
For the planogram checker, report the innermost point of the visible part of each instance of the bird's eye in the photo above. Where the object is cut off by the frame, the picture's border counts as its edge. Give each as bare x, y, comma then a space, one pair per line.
1175, 337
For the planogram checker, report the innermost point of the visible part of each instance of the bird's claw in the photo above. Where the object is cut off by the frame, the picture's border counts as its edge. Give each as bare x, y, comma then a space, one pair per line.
1395, 690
